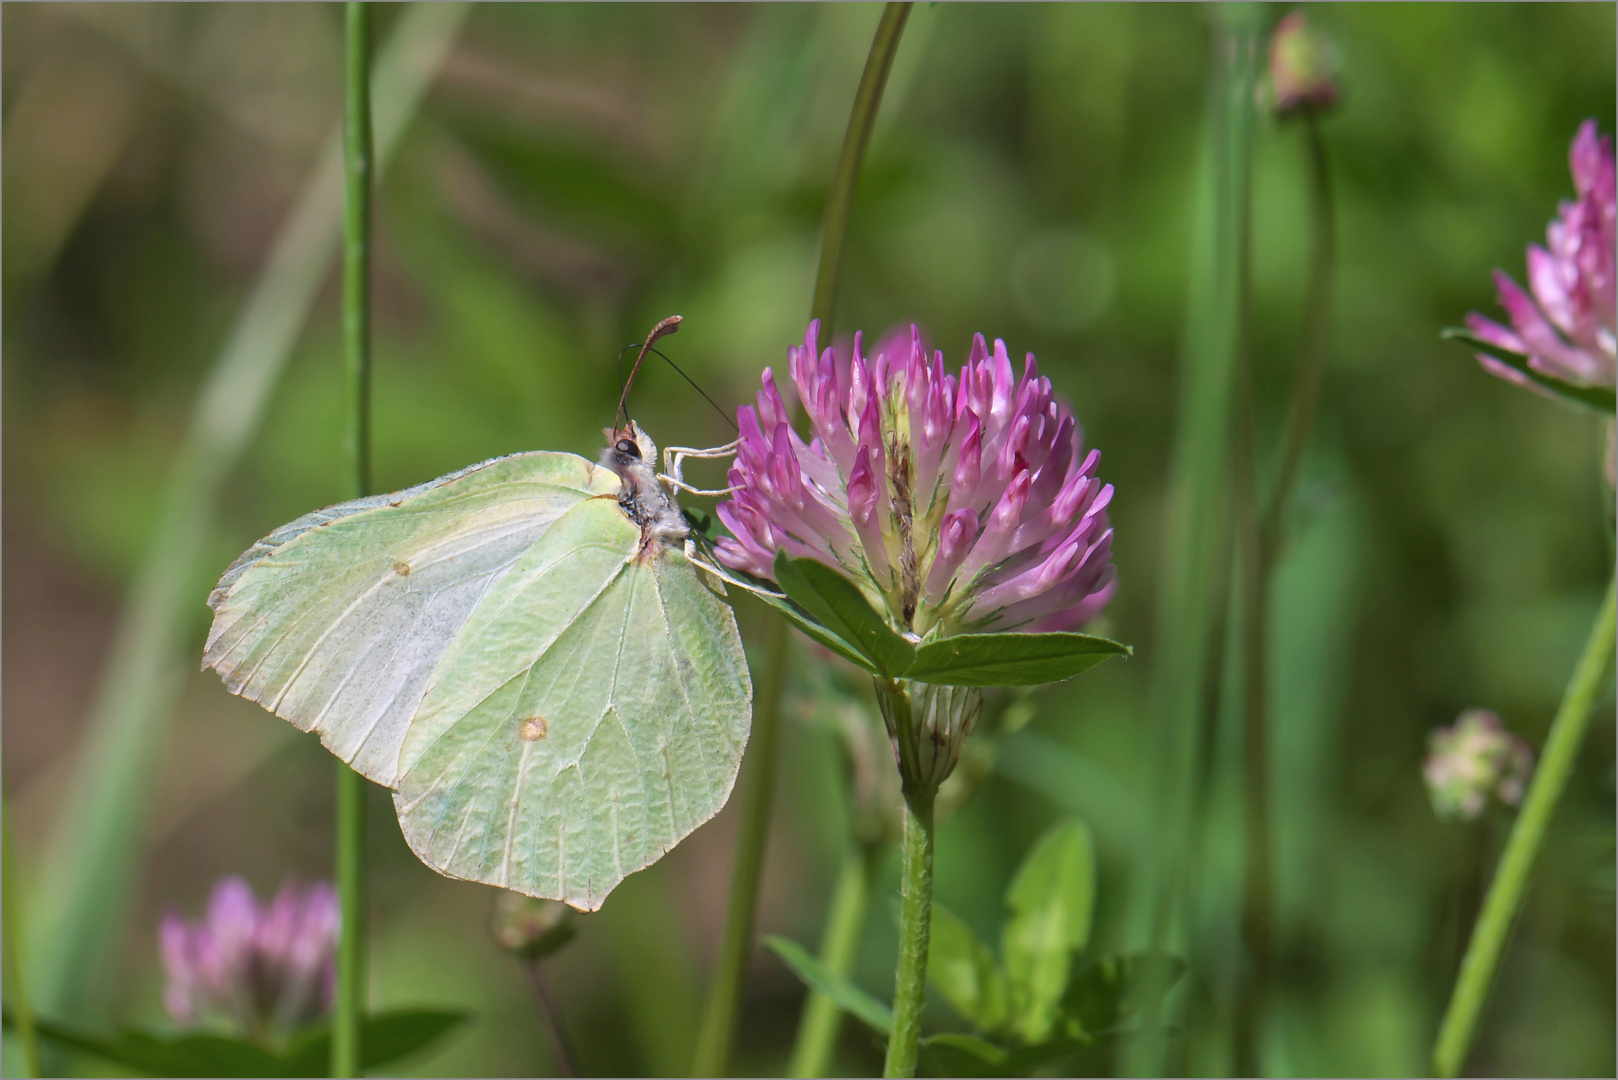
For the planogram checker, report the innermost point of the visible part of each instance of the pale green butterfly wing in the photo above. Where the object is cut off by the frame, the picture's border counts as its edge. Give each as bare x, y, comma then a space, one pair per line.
337, 620
591, 714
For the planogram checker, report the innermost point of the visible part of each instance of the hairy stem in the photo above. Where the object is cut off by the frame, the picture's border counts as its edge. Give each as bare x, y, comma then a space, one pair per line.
845, 925
915, 933
717, 1033
16, 991
1505, 894
347, 1055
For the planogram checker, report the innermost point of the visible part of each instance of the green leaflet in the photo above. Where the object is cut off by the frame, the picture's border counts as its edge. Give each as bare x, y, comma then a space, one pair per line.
817, 976
838, 605
831, 609
1052, 899
555, 703
1010, 659
388, 1037
1600, 398
964, 970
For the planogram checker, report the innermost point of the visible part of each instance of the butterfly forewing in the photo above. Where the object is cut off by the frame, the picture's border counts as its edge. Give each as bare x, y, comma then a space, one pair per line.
337, 621
612, 725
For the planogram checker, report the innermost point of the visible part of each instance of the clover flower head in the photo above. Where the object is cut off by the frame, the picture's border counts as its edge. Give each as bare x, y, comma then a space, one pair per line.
1302, 63
252, 969
1473, 758
1567, 321
955, 501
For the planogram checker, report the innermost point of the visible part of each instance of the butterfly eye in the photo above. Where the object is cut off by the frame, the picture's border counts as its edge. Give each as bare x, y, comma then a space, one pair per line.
627, 446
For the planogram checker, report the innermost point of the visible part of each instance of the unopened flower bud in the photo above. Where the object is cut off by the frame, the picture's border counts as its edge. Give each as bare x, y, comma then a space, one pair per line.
1472, 759
1302, 63
940, 719
531, 928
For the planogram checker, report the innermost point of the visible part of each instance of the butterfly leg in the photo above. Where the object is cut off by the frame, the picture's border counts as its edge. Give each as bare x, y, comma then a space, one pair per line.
674, 458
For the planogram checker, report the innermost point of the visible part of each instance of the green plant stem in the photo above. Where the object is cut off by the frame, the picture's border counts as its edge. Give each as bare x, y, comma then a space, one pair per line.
16, 992
1261, 538
550, 1013
88, 868
840, 197
717, 1032
358, 166
1505, 894
1316, 339
845, 924
1195, 548
915, 933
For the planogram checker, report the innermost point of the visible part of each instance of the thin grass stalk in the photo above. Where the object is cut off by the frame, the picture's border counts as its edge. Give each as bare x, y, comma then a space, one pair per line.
348, 1017
550, 1014
821, 1019
717, 1034
1186, 614
1258, 876
1316, 339
1511, 878
90, 864
16, 992
1262, 536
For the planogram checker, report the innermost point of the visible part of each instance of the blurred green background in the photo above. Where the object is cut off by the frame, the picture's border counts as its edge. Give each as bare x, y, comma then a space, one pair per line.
577, 172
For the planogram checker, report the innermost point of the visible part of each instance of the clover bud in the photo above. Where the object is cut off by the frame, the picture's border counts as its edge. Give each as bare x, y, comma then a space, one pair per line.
531, 928
1472, 759
1302, 63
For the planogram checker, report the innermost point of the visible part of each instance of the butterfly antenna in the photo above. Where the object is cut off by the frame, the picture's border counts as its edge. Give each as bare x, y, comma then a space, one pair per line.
647, 348
717, 408
667, 326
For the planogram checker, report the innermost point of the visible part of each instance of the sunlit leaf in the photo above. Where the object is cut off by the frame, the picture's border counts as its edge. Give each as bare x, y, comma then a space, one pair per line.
817, 976
1052, 898
816, 632
840, 606
965, 971
1010, 659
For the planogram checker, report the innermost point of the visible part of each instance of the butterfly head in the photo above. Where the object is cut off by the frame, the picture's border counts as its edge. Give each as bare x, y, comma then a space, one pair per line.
629, 449
632, 455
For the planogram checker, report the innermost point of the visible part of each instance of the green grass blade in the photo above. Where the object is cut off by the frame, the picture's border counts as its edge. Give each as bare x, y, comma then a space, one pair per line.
95, 847
822, 979
16, 990
1199, 482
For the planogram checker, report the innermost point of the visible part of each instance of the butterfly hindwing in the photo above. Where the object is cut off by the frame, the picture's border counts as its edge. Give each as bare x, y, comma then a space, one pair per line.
337, 620
611, 725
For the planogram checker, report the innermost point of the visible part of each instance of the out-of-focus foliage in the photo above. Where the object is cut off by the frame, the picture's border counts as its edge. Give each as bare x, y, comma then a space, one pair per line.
580, 171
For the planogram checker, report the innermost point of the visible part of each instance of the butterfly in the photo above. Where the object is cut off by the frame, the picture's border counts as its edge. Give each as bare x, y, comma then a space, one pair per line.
531, 652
